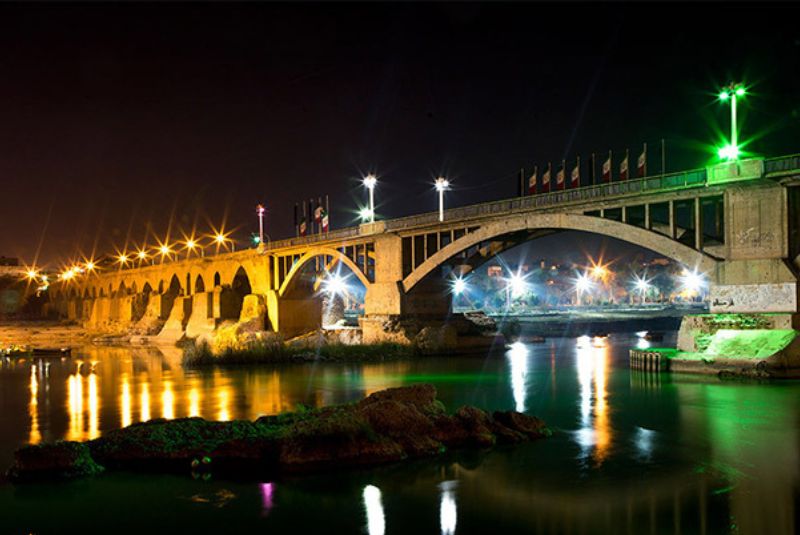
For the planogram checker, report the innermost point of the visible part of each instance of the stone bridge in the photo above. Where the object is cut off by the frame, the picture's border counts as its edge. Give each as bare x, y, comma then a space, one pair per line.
736, 222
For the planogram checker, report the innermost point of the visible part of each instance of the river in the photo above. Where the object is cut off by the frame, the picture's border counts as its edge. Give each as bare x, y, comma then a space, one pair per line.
630, 453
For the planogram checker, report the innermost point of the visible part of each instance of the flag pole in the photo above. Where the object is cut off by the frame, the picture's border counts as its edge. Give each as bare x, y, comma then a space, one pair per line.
645, 158
296, 224
593, 177
521, 185
663, 158
328, 212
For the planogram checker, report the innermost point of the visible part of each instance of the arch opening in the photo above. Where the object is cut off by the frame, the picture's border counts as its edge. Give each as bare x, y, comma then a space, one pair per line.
324, 292
556, 272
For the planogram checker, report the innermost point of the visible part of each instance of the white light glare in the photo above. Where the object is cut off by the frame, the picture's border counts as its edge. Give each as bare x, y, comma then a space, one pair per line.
459, 286
334, 284
692, 281
365, 214
517, 284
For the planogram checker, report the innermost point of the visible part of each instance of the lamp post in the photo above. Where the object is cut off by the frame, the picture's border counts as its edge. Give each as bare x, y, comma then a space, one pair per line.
369, 183
442, 184
260, 212
732, 92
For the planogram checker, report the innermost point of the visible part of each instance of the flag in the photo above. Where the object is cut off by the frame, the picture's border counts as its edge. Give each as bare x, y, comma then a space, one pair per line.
607, 169
324, 220
575, 179
546, 180
303, 226
623, 167
532, 181
560, 177
641, 163
318, 212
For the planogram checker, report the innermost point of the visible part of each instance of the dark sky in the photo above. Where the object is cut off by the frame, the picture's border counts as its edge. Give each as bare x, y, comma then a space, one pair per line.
115, 117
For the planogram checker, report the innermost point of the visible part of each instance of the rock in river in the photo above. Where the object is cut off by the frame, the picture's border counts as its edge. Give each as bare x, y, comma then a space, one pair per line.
388, 426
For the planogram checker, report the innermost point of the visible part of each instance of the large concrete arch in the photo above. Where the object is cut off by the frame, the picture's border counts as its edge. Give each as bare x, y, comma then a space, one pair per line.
648, 239
317, 252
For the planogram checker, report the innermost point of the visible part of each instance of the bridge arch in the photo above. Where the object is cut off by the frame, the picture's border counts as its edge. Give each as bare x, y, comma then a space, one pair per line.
199, 285
316, 252
648, 239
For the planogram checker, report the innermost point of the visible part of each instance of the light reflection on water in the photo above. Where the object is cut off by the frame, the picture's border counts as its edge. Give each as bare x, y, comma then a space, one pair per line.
687, 454
595, 434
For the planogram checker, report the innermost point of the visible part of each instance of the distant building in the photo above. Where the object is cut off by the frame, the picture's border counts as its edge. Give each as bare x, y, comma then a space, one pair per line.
8, 261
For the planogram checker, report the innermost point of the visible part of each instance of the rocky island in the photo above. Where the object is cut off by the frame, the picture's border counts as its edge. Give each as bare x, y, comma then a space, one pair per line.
388, 426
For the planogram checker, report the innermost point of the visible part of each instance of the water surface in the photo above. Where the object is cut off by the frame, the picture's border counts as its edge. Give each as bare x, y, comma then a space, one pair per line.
631, 453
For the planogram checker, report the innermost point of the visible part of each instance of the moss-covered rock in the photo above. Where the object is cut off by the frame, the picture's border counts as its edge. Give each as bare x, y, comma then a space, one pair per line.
391, 425
59, 460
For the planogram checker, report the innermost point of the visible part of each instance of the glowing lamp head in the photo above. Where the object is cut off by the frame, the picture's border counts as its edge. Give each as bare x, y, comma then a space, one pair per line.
219, 238
517, 284
740, 91
142, 255
260, 209
459, 286
191, 244
68, 274
641, 284
370, 181
122, 258
90, 266
334, 284
365, 214
724, 95
599, 271
583, 283
728, 152
692, 281
31, 274
442, 184
164, 250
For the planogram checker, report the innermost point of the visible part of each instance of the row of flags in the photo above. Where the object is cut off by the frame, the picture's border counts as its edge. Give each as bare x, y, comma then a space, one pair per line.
315, 221
560, 182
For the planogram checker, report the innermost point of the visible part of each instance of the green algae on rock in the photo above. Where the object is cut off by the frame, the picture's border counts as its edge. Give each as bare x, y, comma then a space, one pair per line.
387, 426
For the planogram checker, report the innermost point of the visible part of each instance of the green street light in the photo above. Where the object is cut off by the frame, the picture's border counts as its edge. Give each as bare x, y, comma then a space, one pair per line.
734, 90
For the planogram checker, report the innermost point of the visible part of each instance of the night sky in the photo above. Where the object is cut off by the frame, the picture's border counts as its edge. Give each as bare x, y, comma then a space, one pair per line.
116, 120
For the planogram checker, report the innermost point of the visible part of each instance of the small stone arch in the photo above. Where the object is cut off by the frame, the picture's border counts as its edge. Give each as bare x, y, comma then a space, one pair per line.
199, 285
217, 279
147, 289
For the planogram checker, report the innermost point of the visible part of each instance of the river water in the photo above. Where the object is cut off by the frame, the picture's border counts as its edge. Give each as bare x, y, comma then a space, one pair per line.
630, 453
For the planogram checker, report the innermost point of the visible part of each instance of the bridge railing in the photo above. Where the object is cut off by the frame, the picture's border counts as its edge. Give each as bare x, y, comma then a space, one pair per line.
651, 184
782, 164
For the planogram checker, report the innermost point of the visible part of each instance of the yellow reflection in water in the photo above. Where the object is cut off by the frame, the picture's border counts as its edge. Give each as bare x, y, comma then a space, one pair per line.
595, 432
194, 401
167, 401
33, 408
75, 404
94, 408
224, 399
125, 401
144, 404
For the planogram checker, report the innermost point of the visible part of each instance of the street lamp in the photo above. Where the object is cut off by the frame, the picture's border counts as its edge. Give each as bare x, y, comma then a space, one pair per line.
582, 284
369, 182
732, 93
260, 213
442, 184
643, 286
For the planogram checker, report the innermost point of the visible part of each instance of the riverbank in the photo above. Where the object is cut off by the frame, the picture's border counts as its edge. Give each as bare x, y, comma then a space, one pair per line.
42, 334
391, 425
